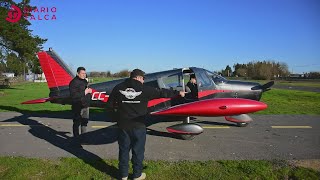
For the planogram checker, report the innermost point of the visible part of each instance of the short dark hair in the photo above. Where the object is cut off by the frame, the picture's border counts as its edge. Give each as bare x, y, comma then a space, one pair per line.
192, 76
80, 68
136, 72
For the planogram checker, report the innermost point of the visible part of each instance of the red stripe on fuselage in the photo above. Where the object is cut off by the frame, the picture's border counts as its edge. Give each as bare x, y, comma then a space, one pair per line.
202, 94
157, 101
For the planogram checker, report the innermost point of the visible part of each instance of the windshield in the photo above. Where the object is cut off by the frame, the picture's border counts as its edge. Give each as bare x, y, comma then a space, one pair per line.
216, 77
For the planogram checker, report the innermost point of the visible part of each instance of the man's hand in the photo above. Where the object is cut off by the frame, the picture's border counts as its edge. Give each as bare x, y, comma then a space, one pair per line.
182, 93
87, 91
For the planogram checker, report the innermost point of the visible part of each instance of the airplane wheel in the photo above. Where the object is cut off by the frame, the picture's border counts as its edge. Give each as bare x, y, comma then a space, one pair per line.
187, 136
242, 124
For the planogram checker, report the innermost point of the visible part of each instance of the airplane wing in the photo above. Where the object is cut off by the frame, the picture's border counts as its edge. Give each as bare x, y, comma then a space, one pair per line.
214, 107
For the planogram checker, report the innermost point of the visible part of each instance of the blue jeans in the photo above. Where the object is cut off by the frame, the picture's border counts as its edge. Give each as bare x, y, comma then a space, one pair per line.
135, 140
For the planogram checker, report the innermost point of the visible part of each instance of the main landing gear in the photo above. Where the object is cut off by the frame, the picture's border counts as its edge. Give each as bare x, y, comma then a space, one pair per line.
241, 120
186, 130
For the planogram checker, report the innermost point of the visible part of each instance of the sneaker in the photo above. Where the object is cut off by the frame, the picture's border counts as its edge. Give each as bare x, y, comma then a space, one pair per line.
143, 176
124, 178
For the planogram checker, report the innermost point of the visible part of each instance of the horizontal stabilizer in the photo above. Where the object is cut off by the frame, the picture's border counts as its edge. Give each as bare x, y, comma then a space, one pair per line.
214, 107
37, 101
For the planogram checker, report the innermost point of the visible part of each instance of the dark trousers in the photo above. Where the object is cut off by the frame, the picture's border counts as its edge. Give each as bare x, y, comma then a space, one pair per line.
135, 140
80, 118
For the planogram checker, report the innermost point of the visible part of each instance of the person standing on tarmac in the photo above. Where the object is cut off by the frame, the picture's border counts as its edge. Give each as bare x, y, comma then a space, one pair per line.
81, 96
130, 100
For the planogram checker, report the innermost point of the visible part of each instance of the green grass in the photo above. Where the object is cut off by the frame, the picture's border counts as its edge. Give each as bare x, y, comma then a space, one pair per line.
12, 98
303, 83
102, 79
300, 83
291, 102
279, 101
73, 168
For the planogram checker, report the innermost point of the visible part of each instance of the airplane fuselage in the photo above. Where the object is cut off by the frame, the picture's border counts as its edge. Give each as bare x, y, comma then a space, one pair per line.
210, 85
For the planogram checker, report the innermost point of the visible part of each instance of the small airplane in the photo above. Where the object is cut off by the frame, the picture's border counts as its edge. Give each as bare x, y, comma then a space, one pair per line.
217, 96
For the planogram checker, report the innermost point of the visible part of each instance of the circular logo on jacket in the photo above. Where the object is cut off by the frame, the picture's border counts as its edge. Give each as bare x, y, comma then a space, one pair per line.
130, 93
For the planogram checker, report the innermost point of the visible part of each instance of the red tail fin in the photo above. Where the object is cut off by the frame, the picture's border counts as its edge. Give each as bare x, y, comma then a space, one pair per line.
56, 71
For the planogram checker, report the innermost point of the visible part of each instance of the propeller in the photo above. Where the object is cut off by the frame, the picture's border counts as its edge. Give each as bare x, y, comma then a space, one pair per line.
265, 87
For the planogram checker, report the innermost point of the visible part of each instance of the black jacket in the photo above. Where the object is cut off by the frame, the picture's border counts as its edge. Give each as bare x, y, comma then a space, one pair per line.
194, 91
130, 99
77, 87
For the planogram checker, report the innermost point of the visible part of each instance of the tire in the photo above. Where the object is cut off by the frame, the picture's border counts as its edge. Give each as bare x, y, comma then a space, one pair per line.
187, 136
242, 124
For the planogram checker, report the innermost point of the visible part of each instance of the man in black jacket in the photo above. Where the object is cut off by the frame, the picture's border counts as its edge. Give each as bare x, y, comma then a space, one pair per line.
80, 95
192, 88
130, 99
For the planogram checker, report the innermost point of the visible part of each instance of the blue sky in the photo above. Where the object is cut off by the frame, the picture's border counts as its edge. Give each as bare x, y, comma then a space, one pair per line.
157, 35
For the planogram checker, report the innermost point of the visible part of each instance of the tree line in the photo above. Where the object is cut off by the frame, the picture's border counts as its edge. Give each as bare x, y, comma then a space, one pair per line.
18, 46
258, 70
122, 73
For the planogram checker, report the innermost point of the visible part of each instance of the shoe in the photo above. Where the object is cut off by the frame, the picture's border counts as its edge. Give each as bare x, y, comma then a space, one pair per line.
143, 176
124, 178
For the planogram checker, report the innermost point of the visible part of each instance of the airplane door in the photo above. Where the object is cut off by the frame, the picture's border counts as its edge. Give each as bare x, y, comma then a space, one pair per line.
204, 82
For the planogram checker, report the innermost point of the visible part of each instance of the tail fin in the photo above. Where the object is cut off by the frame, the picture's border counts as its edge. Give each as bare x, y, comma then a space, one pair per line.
57, 73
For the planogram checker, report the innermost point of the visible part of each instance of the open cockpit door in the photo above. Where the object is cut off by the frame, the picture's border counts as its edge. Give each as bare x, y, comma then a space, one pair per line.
204, 82
173, 81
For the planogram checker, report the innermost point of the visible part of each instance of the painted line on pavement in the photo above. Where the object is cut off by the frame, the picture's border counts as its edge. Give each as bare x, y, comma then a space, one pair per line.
291, 127
98, 127
205, 127
12, 125
215, 127
18, 125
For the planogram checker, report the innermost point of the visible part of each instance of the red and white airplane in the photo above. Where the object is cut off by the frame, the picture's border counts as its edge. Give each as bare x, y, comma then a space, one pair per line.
217, 96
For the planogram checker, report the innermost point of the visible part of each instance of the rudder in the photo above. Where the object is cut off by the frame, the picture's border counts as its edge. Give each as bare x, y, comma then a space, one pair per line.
57, 73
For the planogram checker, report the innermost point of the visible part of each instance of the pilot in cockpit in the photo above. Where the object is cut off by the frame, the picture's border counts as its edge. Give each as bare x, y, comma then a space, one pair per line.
192, 88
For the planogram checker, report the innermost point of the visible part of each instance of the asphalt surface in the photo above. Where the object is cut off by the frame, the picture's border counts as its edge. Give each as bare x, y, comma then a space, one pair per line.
267, 137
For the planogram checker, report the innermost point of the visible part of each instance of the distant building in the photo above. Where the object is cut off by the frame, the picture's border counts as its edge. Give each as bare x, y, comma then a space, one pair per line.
296, 75
36, 77
9, 75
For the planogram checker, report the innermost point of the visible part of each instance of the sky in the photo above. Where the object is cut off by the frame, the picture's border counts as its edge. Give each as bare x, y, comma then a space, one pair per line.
156, 35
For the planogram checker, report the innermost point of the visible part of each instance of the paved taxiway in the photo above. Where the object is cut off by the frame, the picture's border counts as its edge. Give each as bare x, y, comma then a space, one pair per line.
267, 137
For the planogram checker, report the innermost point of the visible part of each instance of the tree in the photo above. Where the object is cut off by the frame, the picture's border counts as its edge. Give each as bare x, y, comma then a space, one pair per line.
227, 71
122, 73
17, 38
14, 64
240, 70
262, 69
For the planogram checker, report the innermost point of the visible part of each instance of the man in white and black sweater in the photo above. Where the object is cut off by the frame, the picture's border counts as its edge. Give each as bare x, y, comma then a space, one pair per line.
130, 99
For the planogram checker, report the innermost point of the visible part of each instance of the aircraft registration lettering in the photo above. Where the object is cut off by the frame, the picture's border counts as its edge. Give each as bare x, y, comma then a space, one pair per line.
98, 96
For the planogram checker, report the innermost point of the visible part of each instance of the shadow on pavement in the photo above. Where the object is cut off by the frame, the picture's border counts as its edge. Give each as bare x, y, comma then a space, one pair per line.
62, 141
65, 114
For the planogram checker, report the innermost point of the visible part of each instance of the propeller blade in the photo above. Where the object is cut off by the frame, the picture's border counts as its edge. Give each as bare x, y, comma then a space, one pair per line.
264, 87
